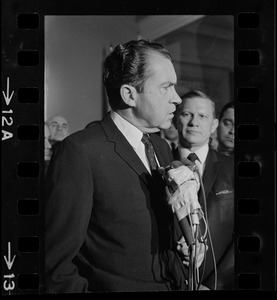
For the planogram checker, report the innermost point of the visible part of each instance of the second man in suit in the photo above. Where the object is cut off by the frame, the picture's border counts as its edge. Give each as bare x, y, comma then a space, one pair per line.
195, 120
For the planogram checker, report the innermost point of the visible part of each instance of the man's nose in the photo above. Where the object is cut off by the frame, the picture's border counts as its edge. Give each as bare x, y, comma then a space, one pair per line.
176, 98
193, 120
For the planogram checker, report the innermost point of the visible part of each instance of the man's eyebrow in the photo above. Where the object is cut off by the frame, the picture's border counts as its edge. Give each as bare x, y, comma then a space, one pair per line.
168, 83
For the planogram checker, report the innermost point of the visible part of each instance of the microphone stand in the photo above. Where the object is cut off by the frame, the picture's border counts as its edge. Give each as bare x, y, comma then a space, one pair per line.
193, 278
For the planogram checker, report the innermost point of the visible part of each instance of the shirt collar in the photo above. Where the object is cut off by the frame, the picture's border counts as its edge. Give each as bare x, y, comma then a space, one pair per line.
131, 133
201, 153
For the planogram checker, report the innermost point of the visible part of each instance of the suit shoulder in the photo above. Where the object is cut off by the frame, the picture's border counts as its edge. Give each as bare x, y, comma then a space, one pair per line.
88, 138
225, 160
224, 157
86, 134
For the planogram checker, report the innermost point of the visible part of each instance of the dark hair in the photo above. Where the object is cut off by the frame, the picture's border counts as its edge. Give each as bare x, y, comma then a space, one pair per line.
224, 108
127, 64
189, 95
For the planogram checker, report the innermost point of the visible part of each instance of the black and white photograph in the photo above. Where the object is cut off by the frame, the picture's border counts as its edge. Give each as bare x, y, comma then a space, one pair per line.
137, 147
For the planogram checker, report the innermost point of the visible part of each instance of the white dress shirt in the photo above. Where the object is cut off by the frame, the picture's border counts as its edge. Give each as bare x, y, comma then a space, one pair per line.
201, 154
133, 136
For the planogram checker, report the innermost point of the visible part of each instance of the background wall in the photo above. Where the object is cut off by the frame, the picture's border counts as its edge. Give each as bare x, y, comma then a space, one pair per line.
203, 56
75, 48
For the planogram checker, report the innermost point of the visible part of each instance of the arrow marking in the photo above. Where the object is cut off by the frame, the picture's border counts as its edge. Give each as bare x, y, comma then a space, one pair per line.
7, 96
8, 260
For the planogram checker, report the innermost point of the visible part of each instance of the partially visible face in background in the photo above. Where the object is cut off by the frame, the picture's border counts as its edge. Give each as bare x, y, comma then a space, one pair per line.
47, 145
59, 128
226, 131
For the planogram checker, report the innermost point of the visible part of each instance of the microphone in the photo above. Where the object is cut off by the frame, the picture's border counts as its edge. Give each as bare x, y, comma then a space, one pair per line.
170, 182
180, 175
186, 230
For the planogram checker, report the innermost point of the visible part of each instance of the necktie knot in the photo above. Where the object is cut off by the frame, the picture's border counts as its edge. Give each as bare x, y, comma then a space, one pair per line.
145, 139
192, 157
149, 150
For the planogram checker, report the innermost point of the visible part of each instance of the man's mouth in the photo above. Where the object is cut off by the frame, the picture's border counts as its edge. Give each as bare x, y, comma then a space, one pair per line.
192, 132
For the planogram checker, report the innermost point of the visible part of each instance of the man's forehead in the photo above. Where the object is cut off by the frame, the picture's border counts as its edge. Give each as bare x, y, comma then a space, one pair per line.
198, 102
58, 119
162, 67
229, 112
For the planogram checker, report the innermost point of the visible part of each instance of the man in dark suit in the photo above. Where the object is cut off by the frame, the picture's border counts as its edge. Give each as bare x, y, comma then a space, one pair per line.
108, 225
226, 129
195, 121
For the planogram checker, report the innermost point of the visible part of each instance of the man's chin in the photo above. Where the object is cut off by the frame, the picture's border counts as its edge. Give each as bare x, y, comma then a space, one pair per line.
152, 130
166, 125
229, 145
59, 138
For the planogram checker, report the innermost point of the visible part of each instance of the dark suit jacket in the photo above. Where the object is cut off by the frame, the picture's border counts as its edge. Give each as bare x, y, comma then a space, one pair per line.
218, 181
108, 226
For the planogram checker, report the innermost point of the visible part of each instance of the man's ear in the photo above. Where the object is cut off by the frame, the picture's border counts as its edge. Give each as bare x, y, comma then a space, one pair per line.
128, 94
214, 125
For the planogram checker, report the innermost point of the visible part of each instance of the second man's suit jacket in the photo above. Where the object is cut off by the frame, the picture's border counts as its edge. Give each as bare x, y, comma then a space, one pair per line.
108, 226
218, 181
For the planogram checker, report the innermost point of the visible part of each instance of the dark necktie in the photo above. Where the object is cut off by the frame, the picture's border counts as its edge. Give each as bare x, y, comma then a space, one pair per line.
149, 150
192, 157
175, 152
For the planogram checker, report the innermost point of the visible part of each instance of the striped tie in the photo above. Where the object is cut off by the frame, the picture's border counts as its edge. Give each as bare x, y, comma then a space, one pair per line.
149, 150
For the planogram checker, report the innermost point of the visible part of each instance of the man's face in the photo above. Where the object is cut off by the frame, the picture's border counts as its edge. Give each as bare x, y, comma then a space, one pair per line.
196, 123
226, 130
58, 127
157, 103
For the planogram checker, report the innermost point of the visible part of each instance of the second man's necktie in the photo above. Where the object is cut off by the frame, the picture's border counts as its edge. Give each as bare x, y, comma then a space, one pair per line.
192, 157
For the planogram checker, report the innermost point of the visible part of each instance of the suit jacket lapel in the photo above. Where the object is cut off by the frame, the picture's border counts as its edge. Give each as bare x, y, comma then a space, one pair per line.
160, 153
210, 172
123, 148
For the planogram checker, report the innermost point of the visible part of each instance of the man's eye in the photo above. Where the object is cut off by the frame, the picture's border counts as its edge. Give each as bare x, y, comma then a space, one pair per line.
227, 123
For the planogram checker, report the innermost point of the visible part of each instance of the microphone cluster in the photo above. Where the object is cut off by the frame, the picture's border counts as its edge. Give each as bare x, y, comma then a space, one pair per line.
183, 183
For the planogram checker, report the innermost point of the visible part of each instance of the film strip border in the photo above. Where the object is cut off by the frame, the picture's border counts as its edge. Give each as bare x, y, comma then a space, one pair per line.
22, 150
23, 146
254, 153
